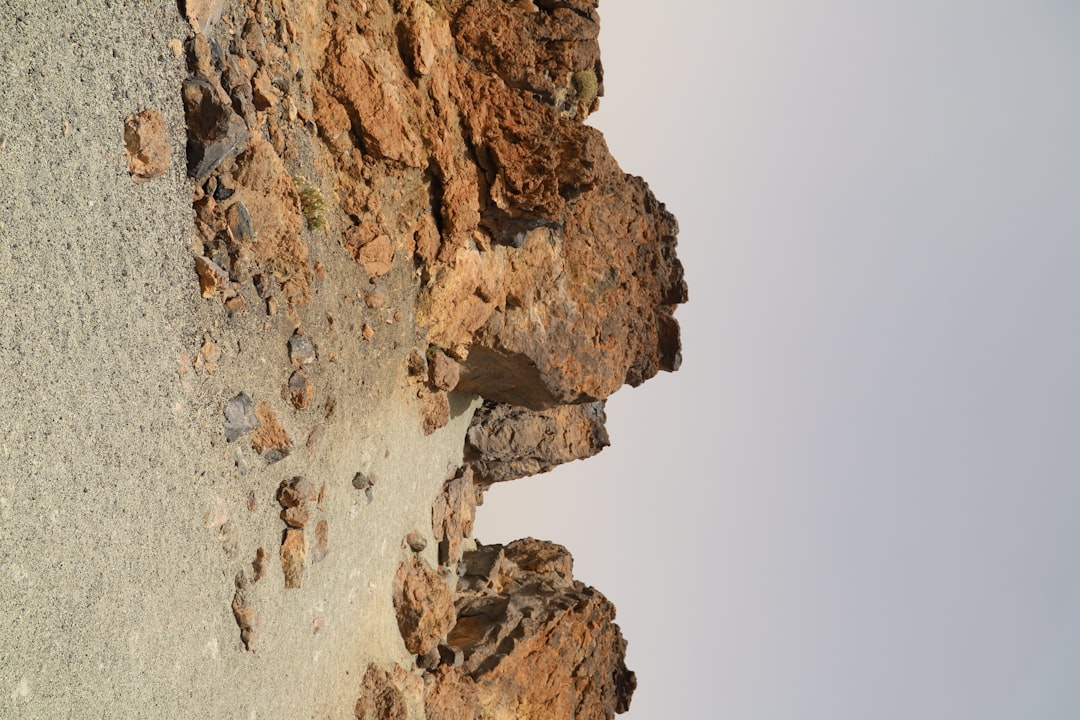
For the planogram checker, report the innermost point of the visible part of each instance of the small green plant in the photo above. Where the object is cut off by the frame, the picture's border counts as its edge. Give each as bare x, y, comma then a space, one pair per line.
586, 88
311, 204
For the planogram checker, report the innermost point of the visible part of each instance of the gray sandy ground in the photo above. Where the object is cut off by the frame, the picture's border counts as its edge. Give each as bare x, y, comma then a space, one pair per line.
115, 580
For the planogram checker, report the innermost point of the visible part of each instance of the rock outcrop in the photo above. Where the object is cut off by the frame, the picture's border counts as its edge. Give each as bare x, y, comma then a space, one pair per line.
507, 442
528, 642
443, 141
424, 606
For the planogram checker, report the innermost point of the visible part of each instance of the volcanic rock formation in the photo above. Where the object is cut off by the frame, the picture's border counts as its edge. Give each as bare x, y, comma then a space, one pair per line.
528, 642
446, 136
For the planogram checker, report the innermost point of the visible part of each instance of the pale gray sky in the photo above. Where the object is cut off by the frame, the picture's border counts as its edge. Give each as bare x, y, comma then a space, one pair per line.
860, 497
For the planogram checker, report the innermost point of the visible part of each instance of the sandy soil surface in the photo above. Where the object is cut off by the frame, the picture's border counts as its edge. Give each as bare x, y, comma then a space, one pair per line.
125, 515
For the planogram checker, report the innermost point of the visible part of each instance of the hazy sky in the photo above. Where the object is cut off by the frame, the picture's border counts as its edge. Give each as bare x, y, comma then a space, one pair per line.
860, 497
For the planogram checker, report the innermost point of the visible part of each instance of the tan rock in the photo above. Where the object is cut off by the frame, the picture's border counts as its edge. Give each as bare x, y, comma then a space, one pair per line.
146, 145
424, 605
258, 565
321, 545
443, 371
209, 355
246, 616
202, 13
381, 103
453, 514
415, 541
265, 94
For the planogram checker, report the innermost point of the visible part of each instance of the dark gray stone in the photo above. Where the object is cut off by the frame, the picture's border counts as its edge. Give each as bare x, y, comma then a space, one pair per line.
301, 350
240, 417
215, 132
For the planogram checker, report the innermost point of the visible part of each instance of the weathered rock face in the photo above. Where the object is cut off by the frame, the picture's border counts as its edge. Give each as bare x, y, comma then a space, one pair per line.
552, 269
522, 616
452, 515
383, 694
424, 606
507, 442
444, 137
527, 641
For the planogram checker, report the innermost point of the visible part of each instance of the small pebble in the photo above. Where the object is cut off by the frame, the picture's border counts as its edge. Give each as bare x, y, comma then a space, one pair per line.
296, 517
239, 417
361, 481
301, 350
416, 541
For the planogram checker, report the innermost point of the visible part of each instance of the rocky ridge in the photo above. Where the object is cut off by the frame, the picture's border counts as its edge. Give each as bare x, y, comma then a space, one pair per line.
442, 141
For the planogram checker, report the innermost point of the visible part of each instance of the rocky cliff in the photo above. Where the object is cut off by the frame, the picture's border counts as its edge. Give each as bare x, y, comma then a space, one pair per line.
444, 142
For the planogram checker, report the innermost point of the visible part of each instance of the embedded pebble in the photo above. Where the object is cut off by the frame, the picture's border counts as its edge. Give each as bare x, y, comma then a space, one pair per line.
361, 481
240, 417
301, 351
416, 541
322, 541
296, 517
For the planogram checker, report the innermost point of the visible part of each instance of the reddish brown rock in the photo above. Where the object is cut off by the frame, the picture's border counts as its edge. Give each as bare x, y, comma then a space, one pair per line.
584, 253
269, 196
443, 371
213, 280
505, 442
301, 391
293, 557
270, 439
369, 81
540, 51
146, 145
376, 256
295, 491
384, 695
436, 412
450, 694
606, 286
296, 517
424, 605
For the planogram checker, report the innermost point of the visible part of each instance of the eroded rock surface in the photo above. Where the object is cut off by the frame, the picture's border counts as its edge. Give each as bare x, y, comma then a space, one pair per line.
467, 117
424, 606
507, 442
521, 616
442, 141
